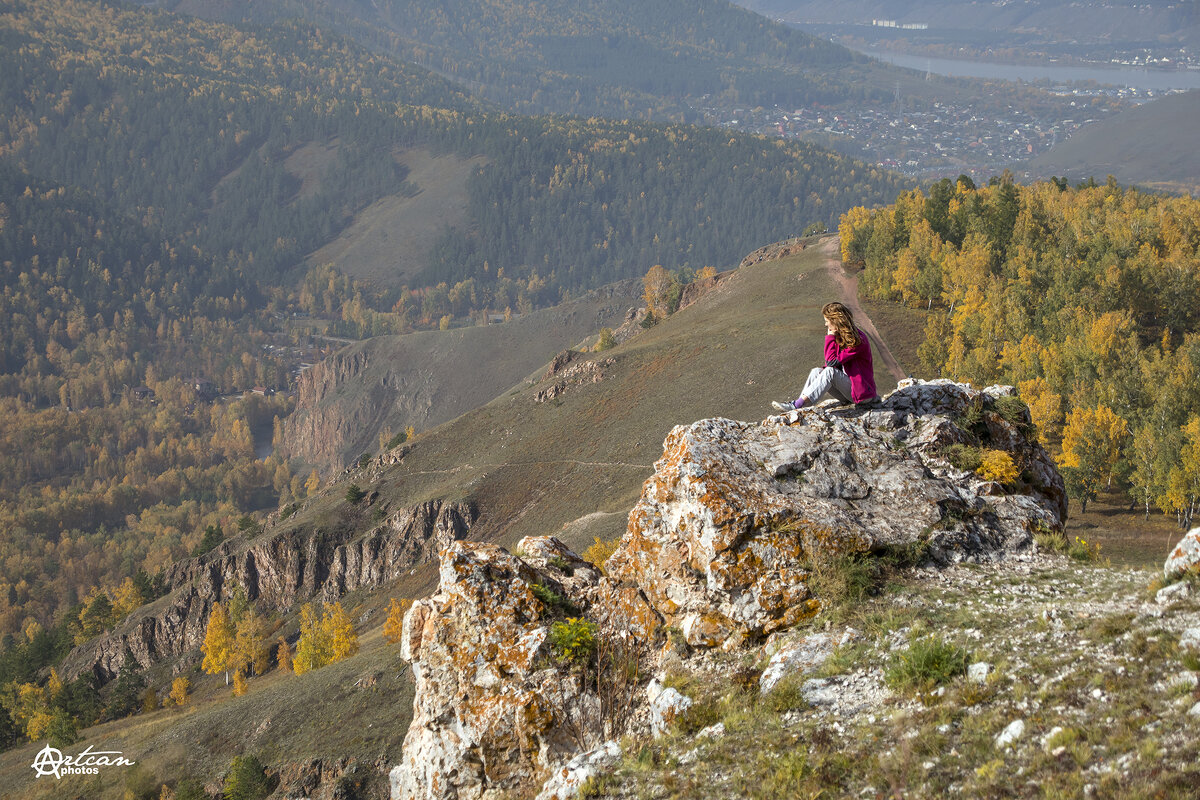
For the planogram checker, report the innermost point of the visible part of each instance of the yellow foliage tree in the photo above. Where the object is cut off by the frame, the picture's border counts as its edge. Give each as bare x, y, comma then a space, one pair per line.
1045, 408
706, 272
239, 683
249, 651
341, 633
313, 648
1093, 435
1183, 481
1092, 442
181, 688
127, 598
393, 628
283, 656
312, 484
656, 290
323, 640
218, 647
38, 724
851, 229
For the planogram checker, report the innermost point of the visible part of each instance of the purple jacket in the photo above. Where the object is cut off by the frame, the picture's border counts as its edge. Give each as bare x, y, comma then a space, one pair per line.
857, 364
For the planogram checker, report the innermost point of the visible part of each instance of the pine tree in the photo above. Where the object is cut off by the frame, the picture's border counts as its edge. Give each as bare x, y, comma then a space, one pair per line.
246, 780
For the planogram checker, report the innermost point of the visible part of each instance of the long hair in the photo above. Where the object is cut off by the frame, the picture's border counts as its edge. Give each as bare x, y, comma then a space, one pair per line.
844, 331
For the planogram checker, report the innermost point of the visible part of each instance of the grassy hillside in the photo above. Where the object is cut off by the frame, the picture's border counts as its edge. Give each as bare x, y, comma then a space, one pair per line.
387, 243
1152, 146
533, 467
423, 379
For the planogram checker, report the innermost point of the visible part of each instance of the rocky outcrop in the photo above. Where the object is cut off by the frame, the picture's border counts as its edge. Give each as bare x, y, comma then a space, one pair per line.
727, 530
721, 545
276, 570
570, 369
788, 247
497, 708
1184, 557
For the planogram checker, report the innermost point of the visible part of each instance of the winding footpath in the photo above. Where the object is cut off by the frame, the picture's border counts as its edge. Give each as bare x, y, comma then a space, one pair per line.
848, 287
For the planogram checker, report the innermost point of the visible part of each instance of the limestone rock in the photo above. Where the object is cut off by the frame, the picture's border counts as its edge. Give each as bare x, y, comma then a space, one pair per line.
566, 781
277, 569
493, 713
803, 656
1173, 592
666, 704
1185, 556
1011, 734
724, 535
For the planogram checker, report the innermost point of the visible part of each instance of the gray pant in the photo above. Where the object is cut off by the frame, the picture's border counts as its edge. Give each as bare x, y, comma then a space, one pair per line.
824, 380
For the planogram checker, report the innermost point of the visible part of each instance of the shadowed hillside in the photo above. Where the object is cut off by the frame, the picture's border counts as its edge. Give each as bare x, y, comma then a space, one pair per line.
1153, 145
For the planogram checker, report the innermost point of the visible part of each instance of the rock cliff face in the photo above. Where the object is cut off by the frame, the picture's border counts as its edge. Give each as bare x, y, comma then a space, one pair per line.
277, 570
721, 546
493, 710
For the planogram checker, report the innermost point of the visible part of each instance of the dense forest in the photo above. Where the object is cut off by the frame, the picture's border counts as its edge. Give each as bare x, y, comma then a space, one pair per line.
1086, 298
622, 59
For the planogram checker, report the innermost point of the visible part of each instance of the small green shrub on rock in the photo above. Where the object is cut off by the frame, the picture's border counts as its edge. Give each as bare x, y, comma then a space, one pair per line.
573, 640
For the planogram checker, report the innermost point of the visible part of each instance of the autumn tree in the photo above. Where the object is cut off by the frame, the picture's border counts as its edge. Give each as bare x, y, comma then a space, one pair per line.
314, 647
393, 628
325, 639
180, 690
342, 636
218, 647
1092, 443
283, 656
656, 291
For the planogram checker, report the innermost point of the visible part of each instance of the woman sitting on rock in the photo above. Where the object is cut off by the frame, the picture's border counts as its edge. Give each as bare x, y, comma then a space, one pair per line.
848, 374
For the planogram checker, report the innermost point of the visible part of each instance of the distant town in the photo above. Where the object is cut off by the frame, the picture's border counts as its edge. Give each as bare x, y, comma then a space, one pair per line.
945, 140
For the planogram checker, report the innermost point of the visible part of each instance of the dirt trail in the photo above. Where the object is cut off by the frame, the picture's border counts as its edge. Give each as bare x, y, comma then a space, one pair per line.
848, 286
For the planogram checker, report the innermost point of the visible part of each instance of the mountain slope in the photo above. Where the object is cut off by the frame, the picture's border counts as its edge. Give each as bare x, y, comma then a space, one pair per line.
526, 467
1152, 145
387, 383
618, 58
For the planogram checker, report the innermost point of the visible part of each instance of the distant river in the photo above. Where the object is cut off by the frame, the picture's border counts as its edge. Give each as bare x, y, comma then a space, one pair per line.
1130, 77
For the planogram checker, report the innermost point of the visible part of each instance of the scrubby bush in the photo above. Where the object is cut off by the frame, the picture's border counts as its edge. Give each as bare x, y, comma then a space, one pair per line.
998, 466
601, 550
573, 640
